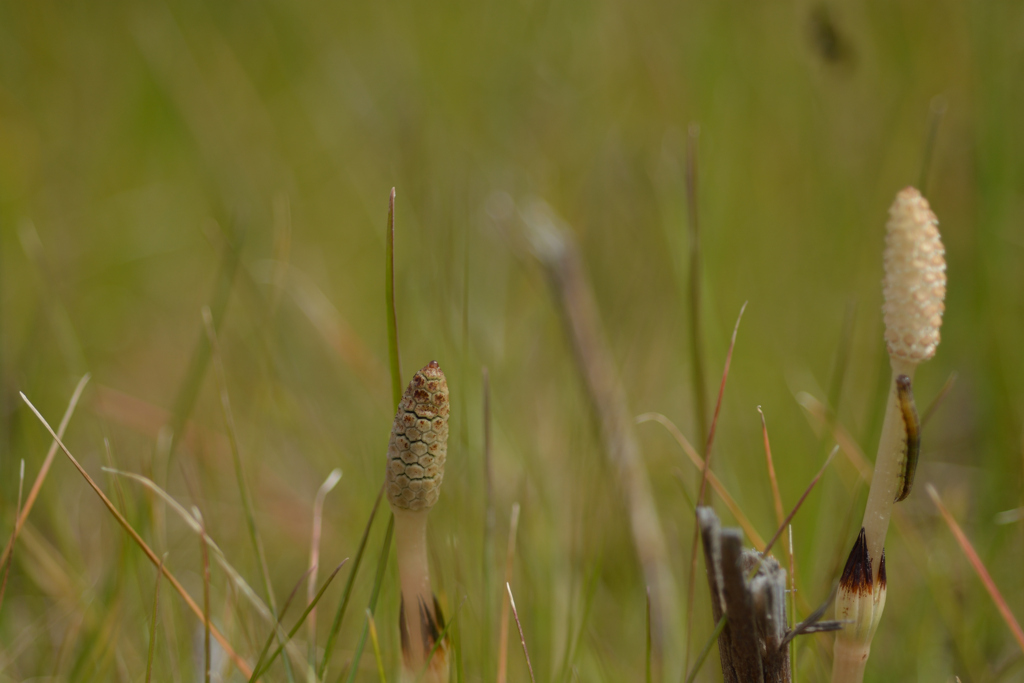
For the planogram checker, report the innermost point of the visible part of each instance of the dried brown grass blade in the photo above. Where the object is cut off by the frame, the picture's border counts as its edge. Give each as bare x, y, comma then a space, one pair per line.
703, 486
41, 477
522, 638
6, 566
716, 484
776, 496
239, 662
979, 568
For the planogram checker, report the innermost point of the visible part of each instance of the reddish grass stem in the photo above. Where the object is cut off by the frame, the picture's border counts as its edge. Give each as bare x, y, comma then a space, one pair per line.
979, 568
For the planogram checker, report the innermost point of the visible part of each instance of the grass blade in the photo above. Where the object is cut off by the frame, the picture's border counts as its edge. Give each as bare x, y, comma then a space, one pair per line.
776, 496
239, 662
206, 597
152, 623
332, 635
703, 655
696, 335
394, 357
513, 527
979, 568
376, 646
703, 487
314, 554
243, 488
939, 398
259, 669
382, 563
47, 462
10, 559
713, 480
185, 399
522, 638
302, 618
800, 501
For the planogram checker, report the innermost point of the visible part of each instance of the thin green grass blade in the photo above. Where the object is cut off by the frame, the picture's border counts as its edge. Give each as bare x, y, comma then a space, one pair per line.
389, 291
696, 333
719, 627
332, 635
258, 669
302, 618
377, 581
236, 456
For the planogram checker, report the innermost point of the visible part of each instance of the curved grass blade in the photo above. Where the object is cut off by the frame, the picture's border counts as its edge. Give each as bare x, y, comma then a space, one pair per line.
382, 563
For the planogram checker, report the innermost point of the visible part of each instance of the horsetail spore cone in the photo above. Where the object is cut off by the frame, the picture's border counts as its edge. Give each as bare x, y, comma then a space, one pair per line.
914, 289
915, 278
415, 468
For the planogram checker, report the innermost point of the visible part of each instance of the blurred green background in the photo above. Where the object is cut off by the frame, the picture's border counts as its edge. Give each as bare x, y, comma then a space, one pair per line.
156, 157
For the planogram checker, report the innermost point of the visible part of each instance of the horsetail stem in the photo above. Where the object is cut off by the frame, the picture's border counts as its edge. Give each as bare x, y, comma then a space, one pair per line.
415, 468
914, 289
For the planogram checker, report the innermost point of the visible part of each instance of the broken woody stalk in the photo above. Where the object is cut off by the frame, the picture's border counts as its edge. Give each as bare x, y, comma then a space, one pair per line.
416, 456
914, 290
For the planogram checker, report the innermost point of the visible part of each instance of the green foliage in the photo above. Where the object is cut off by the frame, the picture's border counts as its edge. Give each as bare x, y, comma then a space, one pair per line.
140, 141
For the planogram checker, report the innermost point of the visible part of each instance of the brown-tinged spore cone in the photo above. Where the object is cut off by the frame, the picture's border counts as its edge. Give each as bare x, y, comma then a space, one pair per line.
915, 278
419, 442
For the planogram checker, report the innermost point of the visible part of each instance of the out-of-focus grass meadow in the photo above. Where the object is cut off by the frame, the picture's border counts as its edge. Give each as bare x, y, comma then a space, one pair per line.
143, 144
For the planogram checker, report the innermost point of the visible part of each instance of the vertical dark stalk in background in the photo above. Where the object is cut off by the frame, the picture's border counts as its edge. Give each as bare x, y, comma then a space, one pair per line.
559, 254
699, 391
